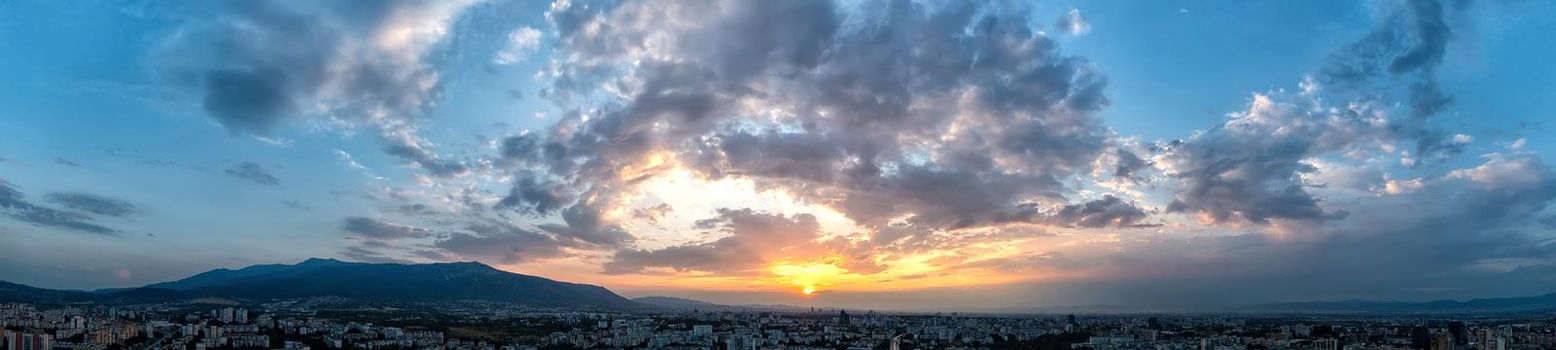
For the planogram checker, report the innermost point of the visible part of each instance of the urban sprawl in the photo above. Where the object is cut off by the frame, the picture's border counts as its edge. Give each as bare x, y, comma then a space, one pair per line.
322, 324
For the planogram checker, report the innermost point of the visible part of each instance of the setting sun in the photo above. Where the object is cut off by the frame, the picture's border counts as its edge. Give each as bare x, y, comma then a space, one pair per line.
809, 276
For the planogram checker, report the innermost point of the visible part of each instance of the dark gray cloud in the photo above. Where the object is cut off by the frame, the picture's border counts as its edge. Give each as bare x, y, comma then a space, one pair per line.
365, 254
532, 196
432, 254
253, 172
14, 205
248, 101
1129, 165
1109, 211
411, 151
1409, 45
754, 238
294, 204
478, 239
654, 213
374, 229
94, 204
66, 162
498, 243
1250, 168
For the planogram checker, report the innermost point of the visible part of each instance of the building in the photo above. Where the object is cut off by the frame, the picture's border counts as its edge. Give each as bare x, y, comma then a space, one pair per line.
1326, 344
1456, 329
15, 340
1420, 338
1442, 342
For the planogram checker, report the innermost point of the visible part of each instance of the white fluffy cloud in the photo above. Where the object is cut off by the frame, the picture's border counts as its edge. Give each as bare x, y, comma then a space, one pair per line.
521, 42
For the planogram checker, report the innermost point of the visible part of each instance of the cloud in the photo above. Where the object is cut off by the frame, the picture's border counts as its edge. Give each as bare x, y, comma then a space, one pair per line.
248, 101
1105, 212
829, 112
370, 256
521, 42
585, 225
253, 172
1397, 187
94, 204
531, 195
383, 231
66, 162
1408, 45
415, 151
654, 213
14, 205
488, 240
260, 64
754, 239
1504, 172
1412, 240
294, 204
1072, 23
500, 243
1250, 167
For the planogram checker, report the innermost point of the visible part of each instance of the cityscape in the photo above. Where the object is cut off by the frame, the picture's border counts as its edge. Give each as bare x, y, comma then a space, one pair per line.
314, 324
777, 174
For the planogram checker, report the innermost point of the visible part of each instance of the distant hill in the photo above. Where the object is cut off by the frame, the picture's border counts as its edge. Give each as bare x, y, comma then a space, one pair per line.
12, 292
1535, 304
693, 304
362, 281
29, 294
674, 302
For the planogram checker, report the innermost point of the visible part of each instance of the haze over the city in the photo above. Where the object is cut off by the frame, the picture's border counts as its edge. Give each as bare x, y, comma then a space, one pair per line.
890, 154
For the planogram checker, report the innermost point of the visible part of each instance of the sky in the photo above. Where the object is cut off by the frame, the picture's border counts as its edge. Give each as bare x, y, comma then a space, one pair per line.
894, 154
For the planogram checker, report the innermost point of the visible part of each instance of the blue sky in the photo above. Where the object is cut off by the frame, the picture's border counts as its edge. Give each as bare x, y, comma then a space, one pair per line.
885, 153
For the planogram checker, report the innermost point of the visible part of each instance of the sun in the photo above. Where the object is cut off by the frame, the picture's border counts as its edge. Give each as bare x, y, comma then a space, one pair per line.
809, 276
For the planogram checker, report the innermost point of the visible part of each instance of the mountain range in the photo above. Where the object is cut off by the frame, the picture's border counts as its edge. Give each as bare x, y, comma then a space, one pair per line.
360, 281
1535, 304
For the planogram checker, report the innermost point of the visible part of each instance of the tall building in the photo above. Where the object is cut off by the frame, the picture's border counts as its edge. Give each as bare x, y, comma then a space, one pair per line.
1456, 329
1442, 342
1420, 338
16, 340
1326, 344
